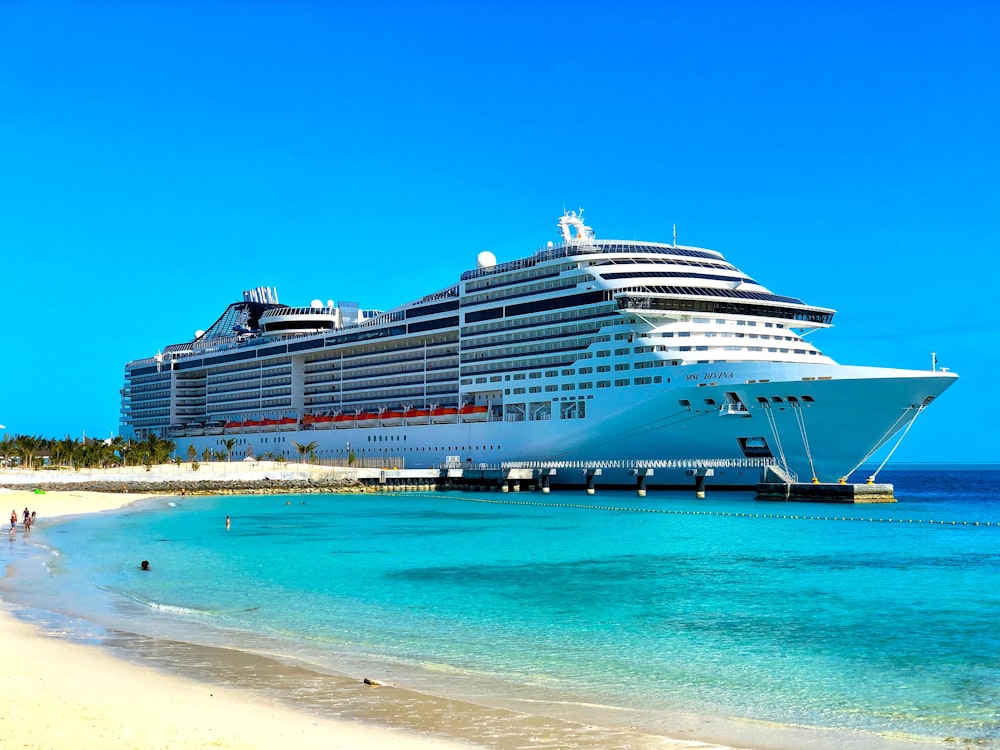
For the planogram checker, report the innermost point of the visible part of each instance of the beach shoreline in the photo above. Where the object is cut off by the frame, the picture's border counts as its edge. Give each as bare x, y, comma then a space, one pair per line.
75, 694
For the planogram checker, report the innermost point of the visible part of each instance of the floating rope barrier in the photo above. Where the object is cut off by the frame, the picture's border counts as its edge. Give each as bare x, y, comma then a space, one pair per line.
721, 513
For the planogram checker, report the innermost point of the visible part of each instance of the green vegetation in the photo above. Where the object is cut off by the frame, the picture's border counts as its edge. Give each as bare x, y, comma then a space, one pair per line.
31, 451
306, 450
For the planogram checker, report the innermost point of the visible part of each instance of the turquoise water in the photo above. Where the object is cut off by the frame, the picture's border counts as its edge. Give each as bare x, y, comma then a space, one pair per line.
667, 615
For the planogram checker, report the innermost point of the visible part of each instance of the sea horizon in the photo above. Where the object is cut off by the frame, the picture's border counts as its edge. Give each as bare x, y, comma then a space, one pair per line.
606, 621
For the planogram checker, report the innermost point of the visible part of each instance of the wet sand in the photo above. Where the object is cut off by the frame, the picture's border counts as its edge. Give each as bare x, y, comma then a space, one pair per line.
67, 695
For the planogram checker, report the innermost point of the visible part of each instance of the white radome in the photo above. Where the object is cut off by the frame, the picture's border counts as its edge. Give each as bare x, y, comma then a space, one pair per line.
486, 259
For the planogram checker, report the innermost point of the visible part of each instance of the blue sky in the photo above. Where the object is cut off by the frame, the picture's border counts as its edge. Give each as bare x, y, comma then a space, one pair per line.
160, 157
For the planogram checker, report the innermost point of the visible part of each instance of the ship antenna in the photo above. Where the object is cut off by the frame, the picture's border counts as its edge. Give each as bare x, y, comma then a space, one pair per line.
933, 361
675, 235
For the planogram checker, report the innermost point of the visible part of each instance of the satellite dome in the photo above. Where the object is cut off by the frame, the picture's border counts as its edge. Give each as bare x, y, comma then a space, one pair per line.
199, 333
316, 304
486, 259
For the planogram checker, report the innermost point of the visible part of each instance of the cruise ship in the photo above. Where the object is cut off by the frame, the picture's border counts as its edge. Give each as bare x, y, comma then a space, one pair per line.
589, 352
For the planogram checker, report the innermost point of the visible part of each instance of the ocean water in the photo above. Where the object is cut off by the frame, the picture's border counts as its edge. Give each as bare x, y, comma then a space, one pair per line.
560, 620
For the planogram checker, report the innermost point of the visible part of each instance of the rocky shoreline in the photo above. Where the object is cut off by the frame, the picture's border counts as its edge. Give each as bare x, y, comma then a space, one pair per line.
206, 487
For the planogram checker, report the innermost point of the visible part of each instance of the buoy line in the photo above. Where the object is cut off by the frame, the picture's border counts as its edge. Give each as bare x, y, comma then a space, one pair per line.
668, 511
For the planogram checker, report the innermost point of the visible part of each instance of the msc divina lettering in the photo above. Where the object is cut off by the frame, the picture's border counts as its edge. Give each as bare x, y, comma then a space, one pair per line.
594, 351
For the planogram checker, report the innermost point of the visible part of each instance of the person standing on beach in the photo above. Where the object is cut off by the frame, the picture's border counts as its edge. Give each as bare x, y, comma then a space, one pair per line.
13, 519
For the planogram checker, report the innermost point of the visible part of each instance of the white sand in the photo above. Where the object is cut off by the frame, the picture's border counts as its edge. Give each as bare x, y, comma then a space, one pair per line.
63, 695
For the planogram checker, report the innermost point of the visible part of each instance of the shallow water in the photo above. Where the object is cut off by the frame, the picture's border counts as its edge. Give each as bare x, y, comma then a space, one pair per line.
723, 619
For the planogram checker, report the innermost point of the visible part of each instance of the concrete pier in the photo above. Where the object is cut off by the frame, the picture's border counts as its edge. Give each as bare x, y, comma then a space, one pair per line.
819, 492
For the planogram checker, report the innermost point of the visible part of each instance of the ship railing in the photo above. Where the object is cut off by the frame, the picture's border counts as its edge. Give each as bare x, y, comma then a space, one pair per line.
669, 463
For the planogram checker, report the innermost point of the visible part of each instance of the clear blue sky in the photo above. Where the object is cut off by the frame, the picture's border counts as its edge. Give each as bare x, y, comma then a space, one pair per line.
157, 158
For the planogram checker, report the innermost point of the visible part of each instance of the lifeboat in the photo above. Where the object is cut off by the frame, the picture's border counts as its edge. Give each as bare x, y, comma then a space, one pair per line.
344, 420
269, 424
214, 427
233, 426
416, 416
252, 424
444, 414
473, 413
307, 420
324, 421
367, 419
285, 422
391, 416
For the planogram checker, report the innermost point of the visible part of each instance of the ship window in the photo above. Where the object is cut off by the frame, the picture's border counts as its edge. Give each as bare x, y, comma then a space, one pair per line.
586, 370
710, 402
659, 379
622, 366
762, 399
810, 399
792, 399
518, 391
585, 385
551, 373
568, 372
568, 386
551, 388
535, 389
534, 375
623, 382
603, 383
643, 381
621, 352
604, 353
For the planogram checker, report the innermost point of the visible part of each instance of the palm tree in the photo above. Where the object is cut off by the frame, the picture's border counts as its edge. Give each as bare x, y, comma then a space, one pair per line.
28, 447
157, 450
305, 449
66, 450
8, 448
229, 443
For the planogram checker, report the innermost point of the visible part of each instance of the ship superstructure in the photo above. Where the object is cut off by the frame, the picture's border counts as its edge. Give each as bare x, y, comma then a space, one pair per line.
587, 350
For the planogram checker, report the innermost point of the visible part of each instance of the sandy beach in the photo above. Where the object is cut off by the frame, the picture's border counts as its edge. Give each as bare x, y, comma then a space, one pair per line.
64, 695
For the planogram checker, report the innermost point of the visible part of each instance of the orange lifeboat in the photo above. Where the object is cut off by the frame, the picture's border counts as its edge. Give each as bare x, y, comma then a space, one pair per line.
416, 416
367, 419
344, 420
473, 412
391, 416
322, 421
444, 414
233, 425
307, 420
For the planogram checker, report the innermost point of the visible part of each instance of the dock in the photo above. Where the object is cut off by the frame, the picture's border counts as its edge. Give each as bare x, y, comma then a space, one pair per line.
825, 492
273, 476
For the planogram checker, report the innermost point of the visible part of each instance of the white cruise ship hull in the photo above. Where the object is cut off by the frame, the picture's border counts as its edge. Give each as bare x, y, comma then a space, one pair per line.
853, 412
